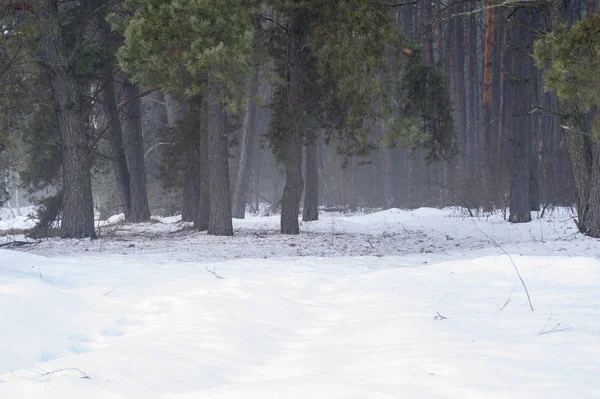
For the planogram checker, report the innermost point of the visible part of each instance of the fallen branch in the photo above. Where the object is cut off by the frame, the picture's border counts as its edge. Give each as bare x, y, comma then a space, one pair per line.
511, 261
439, 317
49, 374
19, 243
214, 273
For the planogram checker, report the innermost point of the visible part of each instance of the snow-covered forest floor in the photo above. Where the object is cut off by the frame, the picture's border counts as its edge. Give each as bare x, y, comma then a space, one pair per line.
392, 304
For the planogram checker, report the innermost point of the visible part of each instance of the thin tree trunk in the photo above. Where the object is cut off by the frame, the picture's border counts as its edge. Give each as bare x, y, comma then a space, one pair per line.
219, 223
310, 210
240, 191
458, 74
438, 29
202, 217
471, 84
428, 32
115, 138
488, 78
115, 133
78, 207
134, 153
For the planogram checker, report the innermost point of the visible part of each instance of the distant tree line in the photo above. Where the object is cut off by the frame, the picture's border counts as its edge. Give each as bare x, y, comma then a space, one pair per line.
208, 108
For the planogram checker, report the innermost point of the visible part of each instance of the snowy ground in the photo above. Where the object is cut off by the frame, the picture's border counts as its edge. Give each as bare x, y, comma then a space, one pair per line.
394, 304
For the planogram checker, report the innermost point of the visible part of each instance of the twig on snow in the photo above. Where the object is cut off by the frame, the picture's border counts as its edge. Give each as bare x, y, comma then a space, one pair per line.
556, 328
439, 317
511, 261
49, 374
507, 300
213, 272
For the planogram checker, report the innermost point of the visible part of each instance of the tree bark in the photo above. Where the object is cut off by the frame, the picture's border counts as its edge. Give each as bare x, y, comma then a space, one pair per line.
219, 223
78, 207
134, 153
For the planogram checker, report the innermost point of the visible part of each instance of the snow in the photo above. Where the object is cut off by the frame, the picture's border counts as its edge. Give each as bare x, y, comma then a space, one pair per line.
16, 218
415, 304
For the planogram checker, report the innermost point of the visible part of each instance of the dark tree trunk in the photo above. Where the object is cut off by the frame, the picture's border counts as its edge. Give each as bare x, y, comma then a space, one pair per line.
115, 133
585, 167
294, 95
202, 216
428, 32
240, 191
458, 86
522, 74
219, 223
78, 207
115, 138
310, 211
498, 177
486, 131
534, 184
438, 29
472, 83
134, 152
190, 191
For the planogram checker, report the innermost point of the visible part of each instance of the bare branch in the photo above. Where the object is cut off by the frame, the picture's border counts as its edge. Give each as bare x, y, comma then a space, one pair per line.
511, 261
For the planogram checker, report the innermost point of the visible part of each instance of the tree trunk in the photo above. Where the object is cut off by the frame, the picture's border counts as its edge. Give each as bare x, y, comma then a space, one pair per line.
294, 95
240, 191
134, 153
458, 84
534, 178
219, 223
470, 104
202, 216
438, 29
176, 114
522, 74
115, 133
428, 32
488, 77
310, 211
115, 138
78, 207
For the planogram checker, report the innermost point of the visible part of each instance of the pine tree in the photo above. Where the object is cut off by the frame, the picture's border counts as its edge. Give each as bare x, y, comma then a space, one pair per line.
191, 47
570, 57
